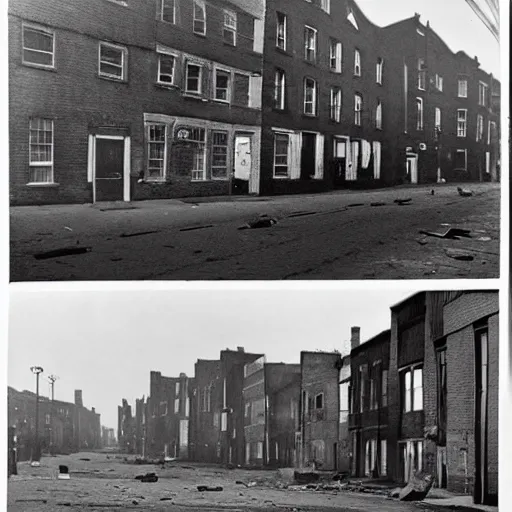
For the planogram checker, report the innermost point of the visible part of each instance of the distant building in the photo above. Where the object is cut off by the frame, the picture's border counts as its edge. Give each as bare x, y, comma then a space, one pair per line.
320, 405
108, 437
64, 427
126, 428
271, 400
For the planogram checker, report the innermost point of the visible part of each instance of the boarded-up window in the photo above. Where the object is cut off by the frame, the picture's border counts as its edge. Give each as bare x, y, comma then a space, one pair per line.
241, 89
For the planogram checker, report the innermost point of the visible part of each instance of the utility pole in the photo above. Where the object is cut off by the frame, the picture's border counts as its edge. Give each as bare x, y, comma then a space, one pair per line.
36, 453
52, 379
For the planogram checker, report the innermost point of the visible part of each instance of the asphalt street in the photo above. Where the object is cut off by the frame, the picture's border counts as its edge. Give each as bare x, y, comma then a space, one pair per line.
101, 483
339, 235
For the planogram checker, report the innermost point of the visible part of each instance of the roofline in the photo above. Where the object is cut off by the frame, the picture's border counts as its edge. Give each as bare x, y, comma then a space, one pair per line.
398, 304
372, 340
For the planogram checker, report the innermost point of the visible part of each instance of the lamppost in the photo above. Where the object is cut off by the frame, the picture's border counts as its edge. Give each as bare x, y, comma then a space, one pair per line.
35, 451
51, 380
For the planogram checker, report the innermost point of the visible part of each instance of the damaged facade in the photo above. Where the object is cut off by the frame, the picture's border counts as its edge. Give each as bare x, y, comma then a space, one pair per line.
198, 98
64, 427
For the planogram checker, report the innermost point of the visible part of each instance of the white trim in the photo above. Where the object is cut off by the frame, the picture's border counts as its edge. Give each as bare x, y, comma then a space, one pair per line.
124, 61
315, 44
200, 78
285, 18
166, 54
111, 137
90, 157
229, 72
40, 28
200, 3
357, 62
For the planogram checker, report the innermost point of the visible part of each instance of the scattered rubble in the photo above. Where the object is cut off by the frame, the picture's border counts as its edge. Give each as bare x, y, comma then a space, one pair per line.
464, 192
459, 255
202, 488
148, 477
263, 221
450, 233
418, 487
65, 251
403, 202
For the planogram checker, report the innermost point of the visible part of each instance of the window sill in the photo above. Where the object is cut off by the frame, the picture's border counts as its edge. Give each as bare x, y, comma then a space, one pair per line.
212, 180
39, 66
198, 34
163, 85
283, 52
112, 79
221, 102
310, 116
282, 178
43, 185
231, 45
192, 96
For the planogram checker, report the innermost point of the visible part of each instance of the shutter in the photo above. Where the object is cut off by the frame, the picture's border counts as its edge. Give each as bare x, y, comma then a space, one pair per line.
241, 89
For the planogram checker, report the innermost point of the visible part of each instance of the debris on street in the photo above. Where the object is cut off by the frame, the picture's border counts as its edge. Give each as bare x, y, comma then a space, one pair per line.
451, 233
202, 488
263, 221
459, 255
464, 192
148, 477
65, 251
418, 487
401, 202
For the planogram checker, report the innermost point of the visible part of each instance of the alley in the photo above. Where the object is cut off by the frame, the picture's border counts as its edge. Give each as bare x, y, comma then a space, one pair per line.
107, 482
341, 235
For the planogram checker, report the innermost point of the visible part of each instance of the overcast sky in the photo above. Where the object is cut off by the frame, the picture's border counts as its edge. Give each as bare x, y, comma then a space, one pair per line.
106, 343
453, 20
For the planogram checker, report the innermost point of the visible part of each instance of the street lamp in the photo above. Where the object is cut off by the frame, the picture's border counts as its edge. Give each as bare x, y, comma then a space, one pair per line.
51, 380
35, 459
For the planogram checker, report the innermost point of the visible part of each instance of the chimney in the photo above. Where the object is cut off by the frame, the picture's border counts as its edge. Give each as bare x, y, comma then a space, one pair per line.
240, 349
78, 398
355, 335
93, 410
183, 375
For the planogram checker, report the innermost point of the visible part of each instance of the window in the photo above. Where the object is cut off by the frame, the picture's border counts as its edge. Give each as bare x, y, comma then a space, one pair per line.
281, 155
370, 457
163, 409
310, 36
193, 78
352, 19
199, 22
463, 88
412, 389
319, 401
358, 107
219, 155
167, 10
230, 28
279, 89
357, 63
177, 390
112, 61
222, 85
41, 151
384, 388
479, 127
422, 74
241, 89
411, 458
335, 56
383, 457
378, 115
439, 83
379, 68
419, 114
461, 159
462, 115
197, 141
482, 94
38, 46
259, 450
177, 406
437, 119
373, 394
362, 387
247, 410
47, 419
281, 31
224, 421
326, 5
335, 105
309, 96
166, 69
157, 149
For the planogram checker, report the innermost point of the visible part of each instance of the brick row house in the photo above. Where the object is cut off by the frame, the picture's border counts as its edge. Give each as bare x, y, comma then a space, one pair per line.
64, 427
182, 98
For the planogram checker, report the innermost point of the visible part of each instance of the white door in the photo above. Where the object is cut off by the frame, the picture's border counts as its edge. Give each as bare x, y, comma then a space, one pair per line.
412, 168
243, 157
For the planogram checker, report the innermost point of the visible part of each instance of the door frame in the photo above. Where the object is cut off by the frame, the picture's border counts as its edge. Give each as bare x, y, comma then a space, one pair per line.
253, 181
91, 163
411, 156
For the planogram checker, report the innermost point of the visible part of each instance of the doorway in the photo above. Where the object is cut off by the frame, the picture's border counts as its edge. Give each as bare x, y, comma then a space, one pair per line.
242, 164
109, 179
340, 159
308, 156
412, 167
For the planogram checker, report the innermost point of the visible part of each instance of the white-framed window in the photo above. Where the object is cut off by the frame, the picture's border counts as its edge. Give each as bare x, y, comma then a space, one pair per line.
41, 150
112, 61
229, 32
38, 46
439, 83
326, 6
197, 138
358, 107
335, 105
310, 40
462, 88
281, 155
461, 159
422, 75
166, 69
281, 30
309, 96
259, 450
199, 19
279, 89
437, 118
219, 165
157, 151
176, 406
412, 457
177, 388
412, 389
222, 85
383, 457
419, 113
462, 118
223, 421
167, 10
335, 56
47, 419
378, 70
483, 91
378, 116
357, 62
193, 78
479, 127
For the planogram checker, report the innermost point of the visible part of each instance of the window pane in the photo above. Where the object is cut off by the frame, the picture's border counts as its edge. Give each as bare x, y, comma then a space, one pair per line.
44, 59
37, 40
166, 68
41, 174
111, 55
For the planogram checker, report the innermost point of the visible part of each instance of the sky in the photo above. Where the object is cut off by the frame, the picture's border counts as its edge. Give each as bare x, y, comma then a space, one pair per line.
453, 20
106, 342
